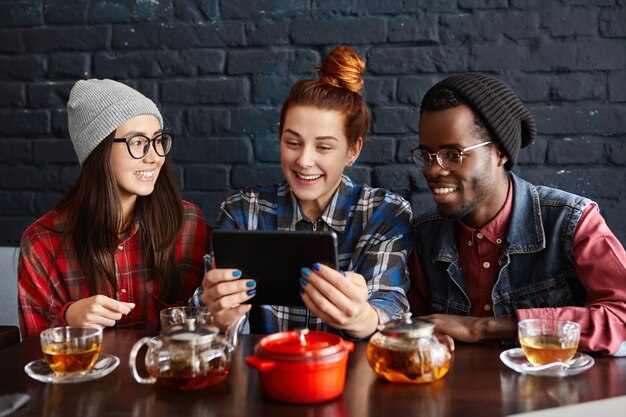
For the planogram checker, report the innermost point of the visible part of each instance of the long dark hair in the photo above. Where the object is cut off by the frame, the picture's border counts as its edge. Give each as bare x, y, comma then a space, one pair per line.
94, 220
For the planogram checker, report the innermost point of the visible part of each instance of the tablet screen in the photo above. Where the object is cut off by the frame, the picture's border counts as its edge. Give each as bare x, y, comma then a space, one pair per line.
274, 259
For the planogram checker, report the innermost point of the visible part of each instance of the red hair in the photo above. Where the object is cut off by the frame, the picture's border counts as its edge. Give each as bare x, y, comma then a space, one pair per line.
338, 88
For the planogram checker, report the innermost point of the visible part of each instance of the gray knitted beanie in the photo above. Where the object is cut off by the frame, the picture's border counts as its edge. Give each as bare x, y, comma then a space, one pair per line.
506, 117
98, 107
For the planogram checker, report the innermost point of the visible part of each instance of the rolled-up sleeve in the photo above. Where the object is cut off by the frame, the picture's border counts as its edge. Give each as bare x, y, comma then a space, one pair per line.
601, 267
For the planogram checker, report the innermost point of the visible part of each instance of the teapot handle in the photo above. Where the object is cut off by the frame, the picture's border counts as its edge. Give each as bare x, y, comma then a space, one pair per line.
447, 341
132, 361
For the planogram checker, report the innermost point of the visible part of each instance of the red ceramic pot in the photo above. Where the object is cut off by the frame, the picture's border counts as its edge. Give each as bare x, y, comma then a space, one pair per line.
301, 366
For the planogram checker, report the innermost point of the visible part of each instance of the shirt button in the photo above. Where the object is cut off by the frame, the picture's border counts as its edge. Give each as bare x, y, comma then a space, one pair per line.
486, 265
498, 241
120, 247
123, 290
487, 307
469, 243
480, 235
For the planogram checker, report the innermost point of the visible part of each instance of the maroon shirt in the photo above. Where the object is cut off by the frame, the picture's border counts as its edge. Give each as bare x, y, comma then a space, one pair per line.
479, 251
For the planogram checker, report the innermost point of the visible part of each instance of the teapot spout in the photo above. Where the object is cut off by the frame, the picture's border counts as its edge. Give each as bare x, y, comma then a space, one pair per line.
234, 330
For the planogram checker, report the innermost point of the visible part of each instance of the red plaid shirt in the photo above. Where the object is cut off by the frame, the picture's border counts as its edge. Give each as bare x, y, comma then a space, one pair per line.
47, 287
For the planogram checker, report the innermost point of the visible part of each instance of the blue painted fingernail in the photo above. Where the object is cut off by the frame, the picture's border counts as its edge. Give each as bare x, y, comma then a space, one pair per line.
343, 273
305, 271
237, 273
251, 284
301, 290
317, 266
303, 281
251, 292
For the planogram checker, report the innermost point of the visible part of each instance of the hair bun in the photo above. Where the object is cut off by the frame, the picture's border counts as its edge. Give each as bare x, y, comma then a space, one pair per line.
343, 68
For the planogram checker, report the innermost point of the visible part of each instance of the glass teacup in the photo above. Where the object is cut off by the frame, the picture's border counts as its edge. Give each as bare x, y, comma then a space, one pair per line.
545, 340
71, 349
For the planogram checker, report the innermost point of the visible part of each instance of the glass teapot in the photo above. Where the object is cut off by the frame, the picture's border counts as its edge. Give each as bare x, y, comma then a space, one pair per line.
187, 357
408, 351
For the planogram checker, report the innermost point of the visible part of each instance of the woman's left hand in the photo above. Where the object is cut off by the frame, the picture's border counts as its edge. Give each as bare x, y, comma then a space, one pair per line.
341, 301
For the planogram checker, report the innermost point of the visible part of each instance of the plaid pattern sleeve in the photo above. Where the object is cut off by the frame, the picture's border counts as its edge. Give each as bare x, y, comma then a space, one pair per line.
373, 231
50, 278
381, 250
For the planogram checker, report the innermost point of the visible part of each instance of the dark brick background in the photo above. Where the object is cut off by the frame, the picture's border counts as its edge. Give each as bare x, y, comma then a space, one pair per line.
220, 70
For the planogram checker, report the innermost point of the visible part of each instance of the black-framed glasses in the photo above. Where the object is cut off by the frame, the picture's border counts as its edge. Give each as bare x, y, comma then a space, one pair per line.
447, 158
139, 145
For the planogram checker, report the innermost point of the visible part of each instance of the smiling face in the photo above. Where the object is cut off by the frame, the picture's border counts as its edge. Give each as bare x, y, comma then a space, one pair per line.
477, 190
135, 177
314, 152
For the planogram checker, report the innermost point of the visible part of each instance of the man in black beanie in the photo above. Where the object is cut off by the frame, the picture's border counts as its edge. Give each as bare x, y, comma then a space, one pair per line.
499, 249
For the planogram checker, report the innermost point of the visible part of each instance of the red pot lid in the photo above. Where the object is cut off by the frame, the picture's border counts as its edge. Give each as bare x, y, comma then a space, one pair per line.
298, 345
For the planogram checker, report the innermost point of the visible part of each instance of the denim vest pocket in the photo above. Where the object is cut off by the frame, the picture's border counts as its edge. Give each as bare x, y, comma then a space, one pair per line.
445, 305
546, 292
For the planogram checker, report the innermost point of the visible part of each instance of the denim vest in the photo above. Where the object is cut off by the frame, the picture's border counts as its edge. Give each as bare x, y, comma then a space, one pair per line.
536, 267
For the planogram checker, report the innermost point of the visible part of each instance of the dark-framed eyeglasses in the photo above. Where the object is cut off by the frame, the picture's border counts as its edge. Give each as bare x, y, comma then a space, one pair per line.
139, 145
447, 158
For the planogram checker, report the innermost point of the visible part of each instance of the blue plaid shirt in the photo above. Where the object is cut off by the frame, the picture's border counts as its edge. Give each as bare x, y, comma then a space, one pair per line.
373, 228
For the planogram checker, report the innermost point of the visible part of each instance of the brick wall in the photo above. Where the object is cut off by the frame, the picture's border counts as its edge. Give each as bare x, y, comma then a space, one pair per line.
220, 70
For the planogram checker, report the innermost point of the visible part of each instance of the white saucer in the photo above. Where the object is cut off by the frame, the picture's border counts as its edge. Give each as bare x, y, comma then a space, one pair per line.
516, 360
40, 371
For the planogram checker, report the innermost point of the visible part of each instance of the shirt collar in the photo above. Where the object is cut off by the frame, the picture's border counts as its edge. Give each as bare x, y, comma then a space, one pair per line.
129, 233
496, 230
335, 216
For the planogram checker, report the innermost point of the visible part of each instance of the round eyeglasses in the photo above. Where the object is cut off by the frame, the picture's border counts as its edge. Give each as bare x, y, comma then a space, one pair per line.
139, 145
447, 158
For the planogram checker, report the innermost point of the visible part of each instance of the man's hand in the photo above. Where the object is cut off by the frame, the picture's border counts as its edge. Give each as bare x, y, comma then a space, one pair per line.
474, 329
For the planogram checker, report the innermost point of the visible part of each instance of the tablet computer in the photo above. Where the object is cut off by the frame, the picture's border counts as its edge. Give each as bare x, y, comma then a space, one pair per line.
274, 259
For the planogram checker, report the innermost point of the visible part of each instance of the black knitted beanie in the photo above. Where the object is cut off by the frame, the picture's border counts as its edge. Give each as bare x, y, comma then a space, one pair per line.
502, 111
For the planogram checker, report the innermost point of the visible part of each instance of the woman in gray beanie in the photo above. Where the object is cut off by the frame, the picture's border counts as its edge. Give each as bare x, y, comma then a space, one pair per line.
122, 239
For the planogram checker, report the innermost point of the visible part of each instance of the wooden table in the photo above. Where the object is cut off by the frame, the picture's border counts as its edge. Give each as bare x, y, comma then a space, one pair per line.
477, 385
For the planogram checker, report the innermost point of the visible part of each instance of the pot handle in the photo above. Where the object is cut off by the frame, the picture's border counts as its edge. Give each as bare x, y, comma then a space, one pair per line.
132, 361
260, 364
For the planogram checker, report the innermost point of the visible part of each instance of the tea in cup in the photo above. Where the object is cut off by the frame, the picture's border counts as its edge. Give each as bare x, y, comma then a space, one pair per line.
178, 315
71, 349
546, 341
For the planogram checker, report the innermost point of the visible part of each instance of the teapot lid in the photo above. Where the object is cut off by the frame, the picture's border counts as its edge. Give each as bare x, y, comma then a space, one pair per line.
408, 328
190, 333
